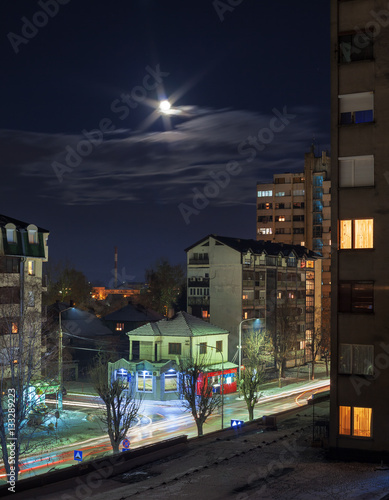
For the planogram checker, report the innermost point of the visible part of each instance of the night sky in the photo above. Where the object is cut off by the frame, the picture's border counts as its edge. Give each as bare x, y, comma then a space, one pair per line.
249, 81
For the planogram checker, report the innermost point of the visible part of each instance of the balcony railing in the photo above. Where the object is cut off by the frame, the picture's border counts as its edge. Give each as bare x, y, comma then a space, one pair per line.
204, 262
198, 301
192, 282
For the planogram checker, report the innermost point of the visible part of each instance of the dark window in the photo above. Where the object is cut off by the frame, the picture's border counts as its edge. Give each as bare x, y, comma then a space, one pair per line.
265, 218
203, 348
355, 47
298, 230
219, 345
356, 359
356, 296
174, 348
280, 206
9, 295
9, 265
298, 218
298, 204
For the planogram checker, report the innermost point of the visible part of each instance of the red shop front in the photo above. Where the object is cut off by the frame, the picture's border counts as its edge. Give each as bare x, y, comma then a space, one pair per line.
213, 377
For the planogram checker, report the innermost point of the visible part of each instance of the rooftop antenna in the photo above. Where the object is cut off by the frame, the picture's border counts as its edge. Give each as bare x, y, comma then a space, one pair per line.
116, 267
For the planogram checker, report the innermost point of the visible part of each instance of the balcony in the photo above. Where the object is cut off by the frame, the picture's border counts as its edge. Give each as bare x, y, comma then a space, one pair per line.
202, 282
198, 301
199, 262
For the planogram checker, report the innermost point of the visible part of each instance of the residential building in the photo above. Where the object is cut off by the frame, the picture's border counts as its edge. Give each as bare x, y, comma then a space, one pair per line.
360, 208
23, 249
83, 336
231, 280
129, 318
296, 209
156, 349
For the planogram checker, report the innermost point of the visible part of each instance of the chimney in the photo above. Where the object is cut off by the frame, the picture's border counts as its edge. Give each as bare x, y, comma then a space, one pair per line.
170, 313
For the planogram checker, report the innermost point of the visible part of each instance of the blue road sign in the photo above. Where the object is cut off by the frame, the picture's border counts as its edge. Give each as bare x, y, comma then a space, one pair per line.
126, 443
78, 455
237, 423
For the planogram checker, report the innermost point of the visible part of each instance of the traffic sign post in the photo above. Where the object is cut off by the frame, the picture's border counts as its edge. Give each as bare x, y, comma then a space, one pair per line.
78, 455
237, 423
126, 444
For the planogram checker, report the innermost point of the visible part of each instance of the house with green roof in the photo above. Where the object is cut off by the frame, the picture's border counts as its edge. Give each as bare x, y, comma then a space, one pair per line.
156, 348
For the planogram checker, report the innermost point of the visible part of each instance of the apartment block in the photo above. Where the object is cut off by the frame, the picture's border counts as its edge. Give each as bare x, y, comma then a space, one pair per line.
233, 280
296, 209
360, 209
23, 249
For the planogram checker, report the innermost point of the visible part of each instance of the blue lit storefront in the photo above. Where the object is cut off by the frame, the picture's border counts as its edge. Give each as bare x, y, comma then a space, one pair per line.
154, 381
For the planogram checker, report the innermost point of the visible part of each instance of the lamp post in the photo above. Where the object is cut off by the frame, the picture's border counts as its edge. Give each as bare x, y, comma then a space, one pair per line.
60, 361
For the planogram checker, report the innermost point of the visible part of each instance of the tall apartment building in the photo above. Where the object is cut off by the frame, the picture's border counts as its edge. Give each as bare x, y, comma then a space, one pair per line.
360, 208
233, 279
23, 249
296, 209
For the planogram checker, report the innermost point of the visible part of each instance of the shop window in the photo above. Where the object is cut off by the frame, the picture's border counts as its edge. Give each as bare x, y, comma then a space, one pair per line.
356, 234
356, 171
145, 381
356, 296
171, 382
355, 421
356, 359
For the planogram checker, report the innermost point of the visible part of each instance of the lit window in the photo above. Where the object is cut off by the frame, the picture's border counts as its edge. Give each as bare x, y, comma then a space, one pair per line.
171, 382
356, 108
32, 236
245, 297
246, 315
145, 381
14, 327
11, 236
345, 420
357, 233
280, 193
298, 192
264, 194
356, 171
360, 419
265, 230
205, 314
119, 327
31, 267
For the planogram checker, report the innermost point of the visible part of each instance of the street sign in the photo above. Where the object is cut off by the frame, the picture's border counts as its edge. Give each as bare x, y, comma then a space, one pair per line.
78, 455
126, 443
237, 423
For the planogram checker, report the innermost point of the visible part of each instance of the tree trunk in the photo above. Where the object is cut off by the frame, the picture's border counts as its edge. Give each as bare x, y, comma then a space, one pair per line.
199, 428
115, 445
251, 412
313, 370
326, 366
279, 374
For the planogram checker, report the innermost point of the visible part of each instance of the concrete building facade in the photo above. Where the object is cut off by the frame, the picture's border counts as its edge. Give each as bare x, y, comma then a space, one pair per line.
231, 280
360, 208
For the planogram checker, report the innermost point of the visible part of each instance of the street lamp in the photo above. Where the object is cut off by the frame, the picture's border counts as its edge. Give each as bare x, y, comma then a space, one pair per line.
240, 340
60, 361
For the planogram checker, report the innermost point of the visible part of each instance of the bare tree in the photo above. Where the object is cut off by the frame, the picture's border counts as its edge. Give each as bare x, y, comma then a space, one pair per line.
120, 407
20, 371
256, 351
198, 397
284, 336
314, 345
